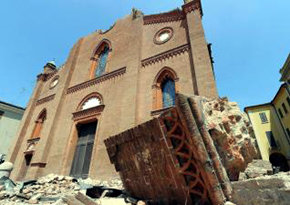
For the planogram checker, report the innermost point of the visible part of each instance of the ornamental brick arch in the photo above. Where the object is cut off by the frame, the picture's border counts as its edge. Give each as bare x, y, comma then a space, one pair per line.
164, 74
95, 57
94, 95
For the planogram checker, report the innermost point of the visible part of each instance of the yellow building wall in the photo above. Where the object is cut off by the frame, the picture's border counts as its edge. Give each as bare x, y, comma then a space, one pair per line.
282, 98
273, 125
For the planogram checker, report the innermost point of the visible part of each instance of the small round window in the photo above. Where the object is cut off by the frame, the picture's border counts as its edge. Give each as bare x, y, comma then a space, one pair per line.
163, 35
54, 82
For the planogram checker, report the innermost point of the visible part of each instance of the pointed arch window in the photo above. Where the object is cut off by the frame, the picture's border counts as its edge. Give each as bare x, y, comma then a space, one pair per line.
100, 59
168, 93
103, 57
164, 87
39, 125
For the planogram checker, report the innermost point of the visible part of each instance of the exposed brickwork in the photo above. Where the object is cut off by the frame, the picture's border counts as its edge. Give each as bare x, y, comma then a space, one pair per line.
145, 164
159, 160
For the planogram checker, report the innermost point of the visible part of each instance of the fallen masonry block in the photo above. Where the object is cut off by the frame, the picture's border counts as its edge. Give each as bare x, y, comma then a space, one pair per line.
263, 190
84, 199
71, 200
157, 163
256, 168
187, 155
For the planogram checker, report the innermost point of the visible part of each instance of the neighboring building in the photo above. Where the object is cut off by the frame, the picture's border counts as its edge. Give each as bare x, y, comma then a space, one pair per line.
10, 117
285, 71
111, 81
271, 124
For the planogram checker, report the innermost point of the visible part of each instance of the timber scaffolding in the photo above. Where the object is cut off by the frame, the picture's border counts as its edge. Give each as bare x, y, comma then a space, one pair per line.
171, 159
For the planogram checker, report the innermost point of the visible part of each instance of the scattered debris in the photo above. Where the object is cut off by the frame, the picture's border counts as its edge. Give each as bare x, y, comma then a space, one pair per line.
263, 190
256, 168
57, 190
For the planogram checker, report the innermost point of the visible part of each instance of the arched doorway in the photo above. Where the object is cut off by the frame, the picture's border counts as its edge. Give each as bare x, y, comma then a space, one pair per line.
86, 125
279, 160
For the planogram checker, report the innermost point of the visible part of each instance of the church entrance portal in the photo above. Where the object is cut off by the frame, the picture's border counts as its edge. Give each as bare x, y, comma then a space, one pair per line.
83, 152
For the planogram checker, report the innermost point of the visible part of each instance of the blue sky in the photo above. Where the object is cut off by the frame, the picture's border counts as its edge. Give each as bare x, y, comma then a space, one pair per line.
251, 40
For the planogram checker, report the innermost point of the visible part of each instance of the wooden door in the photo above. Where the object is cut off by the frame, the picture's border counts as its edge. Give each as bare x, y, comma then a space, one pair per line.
83, 153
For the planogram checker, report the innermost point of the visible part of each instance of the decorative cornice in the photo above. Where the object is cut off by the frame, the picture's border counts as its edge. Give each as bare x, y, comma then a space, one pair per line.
38, 164
33, 140
31, 143
191, 6
46, 76
88, 112
30, 152
175, 15
97, 80
165, 55
46, 99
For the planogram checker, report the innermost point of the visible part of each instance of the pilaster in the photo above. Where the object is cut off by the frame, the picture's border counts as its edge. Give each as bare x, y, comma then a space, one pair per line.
16, 154
202, 66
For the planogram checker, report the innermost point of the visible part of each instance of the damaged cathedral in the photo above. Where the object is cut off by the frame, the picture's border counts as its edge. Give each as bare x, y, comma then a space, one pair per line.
138, 100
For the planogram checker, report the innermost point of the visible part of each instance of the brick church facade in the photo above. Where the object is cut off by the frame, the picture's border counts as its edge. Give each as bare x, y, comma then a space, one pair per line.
111, 81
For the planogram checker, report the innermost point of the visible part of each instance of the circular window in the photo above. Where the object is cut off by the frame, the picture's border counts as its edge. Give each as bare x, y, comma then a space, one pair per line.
163, 35
54, 82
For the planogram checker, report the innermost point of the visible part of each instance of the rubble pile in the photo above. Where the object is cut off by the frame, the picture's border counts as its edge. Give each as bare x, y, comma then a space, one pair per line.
200, 131
53, 189
263, 190
256, 168
232, 134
